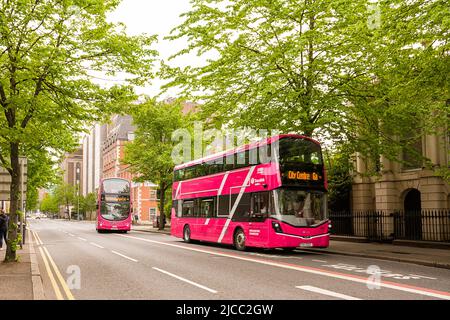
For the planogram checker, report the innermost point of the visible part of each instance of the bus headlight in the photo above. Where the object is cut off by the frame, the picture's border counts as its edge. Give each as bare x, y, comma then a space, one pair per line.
277, 227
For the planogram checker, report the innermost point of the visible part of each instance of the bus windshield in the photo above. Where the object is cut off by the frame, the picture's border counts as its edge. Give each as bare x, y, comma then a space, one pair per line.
115, 211
115, 199
300, 207
116, 186
299, 151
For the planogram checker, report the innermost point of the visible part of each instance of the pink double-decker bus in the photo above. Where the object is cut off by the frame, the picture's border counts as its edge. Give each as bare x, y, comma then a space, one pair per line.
114, 205
269, 194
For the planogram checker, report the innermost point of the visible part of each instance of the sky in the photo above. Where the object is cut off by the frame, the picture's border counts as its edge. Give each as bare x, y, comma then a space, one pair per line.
154, 17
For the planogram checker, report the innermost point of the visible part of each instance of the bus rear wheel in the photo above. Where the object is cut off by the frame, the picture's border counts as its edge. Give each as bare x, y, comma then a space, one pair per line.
187, 234
239, 240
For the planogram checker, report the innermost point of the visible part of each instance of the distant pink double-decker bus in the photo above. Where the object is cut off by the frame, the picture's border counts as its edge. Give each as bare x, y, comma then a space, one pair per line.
114, 205
269, 194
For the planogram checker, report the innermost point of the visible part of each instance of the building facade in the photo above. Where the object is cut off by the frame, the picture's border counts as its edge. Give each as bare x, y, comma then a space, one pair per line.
92, 168
72, 167
409, 186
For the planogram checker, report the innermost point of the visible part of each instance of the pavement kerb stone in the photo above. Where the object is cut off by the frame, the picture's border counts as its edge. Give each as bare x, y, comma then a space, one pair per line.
153, 231
380, 257
38, 288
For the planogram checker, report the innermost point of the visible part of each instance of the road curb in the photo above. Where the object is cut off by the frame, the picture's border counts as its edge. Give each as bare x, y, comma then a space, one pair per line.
152, 231
371, 256
36, 279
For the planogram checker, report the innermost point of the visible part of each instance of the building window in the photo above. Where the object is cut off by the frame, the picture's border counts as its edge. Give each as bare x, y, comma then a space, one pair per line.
152, 194
412, 153
152, 212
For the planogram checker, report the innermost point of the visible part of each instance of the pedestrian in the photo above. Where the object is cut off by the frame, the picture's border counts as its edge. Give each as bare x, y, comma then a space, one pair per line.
3, 227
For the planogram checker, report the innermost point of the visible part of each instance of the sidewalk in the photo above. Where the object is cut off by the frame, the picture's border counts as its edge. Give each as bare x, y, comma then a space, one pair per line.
16, 278
439, 258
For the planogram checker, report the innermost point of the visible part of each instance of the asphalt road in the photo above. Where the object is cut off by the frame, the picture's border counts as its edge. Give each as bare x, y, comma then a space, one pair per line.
78, 263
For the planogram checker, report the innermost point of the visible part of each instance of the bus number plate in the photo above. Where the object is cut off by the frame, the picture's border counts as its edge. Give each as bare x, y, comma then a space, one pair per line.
306, 245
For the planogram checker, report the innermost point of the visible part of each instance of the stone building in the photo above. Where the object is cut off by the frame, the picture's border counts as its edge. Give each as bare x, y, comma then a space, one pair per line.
409, 187
72, 166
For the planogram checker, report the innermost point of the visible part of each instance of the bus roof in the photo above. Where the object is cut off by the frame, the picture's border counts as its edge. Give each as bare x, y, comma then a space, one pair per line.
248, 146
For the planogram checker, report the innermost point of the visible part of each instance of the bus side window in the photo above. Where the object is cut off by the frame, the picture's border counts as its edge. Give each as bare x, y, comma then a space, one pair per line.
179, 209
197, 207
188, 208
241, 160
175, 207
224, 205
207, 208
260, 203
243, 208
229, 162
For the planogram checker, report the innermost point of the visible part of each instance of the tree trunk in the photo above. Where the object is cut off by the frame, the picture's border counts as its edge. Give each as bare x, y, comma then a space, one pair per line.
161, 206
14, 195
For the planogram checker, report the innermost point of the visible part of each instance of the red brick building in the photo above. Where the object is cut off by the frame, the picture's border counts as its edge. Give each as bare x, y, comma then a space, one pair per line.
118, 133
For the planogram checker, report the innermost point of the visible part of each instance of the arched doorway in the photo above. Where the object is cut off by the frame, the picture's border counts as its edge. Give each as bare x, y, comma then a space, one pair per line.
413, 215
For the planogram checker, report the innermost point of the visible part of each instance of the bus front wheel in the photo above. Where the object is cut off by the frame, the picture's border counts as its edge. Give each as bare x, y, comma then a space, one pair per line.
187, 234
239, 240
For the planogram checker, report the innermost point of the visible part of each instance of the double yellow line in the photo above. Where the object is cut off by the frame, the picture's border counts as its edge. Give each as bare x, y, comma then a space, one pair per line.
46, 257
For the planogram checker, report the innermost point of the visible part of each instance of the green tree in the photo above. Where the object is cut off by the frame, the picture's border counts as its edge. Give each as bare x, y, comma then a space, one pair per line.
339, 175
89, 205
50, 52
150, 153
41, 173
66, 196
359, 73
277, 64
406, 91
49, 204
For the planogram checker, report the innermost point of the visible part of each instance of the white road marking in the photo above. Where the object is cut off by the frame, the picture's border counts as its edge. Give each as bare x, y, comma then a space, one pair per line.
323, 261
185, 280
82, 239
416, 275
327, 292
313, 270
273, 256
124, 256
72, 235
97, 245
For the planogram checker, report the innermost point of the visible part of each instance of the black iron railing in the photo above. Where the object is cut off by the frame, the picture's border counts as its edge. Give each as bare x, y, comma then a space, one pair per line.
427, 225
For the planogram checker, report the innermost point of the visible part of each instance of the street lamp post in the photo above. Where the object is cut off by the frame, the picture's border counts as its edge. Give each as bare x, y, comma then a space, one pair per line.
78, 191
